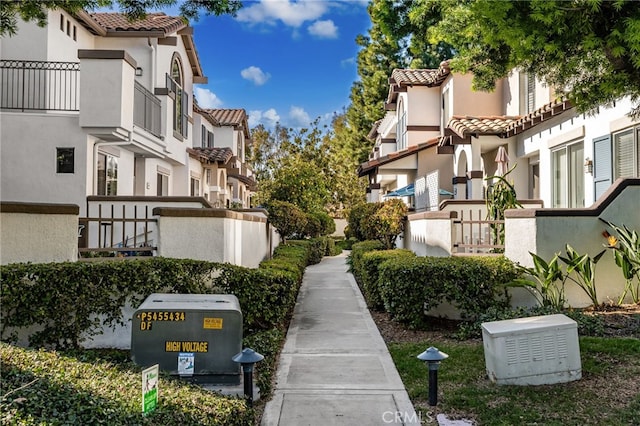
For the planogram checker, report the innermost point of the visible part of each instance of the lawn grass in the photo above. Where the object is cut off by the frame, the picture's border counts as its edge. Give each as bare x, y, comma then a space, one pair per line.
607, 394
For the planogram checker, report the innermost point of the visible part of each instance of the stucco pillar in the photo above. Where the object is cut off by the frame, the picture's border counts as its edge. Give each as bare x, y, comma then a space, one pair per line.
460, 187
373, 193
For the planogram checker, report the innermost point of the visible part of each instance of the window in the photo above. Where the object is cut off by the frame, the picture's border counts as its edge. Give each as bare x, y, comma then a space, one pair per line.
401, 132
626, 153
65, 160
68, 28
162, 185
61, 22
203, 134
107, 175
530, 93
74, 33
195, 187
240, 143
207, 138
208, 176
568, 176
180, 98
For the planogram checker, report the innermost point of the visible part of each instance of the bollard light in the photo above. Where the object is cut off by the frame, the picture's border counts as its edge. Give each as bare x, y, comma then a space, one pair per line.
432, 357
247, 358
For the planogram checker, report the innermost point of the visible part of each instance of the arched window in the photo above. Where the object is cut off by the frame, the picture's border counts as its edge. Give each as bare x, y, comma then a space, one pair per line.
175, 82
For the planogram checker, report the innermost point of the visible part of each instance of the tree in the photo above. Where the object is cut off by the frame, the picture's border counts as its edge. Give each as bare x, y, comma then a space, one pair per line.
586, 49
287, 218
28, 11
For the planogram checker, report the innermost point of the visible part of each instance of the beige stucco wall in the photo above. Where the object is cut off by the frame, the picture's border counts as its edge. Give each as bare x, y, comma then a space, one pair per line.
469, 102
547, 235
32, 235
213, 235
430, 234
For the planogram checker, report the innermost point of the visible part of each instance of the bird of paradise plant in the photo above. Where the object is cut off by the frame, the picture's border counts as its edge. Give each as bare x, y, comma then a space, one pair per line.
626, 253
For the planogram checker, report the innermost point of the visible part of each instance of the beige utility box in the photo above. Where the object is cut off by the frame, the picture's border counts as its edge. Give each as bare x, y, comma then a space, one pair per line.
532, 351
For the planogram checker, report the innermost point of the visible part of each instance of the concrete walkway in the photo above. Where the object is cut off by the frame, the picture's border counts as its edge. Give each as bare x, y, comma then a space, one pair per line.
335, 368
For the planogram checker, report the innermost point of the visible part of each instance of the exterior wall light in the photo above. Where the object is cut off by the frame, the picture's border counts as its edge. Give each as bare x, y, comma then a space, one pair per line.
138, 72
247, 358
432, 357
588, 166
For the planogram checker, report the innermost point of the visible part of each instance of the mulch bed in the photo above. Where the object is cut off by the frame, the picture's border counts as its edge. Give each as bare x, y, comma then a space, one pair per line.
619, 321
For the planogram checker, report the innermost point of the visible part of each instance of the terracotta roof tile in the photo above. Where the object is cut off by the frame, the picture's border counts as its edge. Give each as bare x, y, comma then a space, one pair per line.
420, 77
152, 22
546, 111
247, 180
493, 125
228, 117
212, 155
211, 119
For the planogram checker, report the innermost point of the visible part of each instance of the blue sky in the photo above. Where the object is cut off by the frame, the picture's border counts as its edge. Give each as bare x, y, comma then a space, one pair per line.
281, 60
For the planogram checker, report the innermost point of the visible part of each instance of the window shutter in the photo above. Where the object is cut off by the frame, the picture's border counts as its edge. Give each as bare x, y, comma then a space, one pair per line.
531, 93
602, 167
185, 113
623, 163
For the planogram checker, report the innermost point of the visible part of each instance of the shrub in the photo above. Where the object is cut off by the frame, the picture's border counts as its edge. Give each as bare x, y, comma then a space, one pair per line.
370, 275
387, 223
357, 251
316, 248
63, 300
100, 387
287, 218
357, 219
313, 228
409, 286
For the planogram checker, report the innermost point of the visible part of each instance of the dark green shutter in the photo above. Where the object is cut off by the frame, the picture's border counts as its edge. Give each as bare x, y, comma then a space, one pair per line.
602, 167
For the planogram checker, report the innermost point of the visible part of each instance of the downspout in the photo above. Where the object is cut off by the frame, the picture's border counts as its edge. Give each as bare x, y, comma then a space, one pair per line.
154, 60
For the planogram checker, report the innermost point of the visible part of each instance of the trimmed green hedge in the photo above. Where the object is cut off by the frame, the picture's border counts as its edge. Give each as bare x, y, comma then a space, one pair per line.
63, 299
409, 286
41, 387
369, 273
357, 251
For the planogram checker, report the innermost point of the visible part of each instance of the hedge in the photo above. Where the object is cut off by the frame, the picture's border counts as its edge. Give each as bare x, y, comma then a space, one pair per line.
409, 286
369, 274
357, 251
62, 301
101, 388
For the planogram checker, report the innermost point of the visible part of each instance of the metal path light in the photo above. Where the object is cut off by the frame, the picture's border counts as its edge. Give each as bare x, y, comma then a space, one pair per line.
432, 357
247, 358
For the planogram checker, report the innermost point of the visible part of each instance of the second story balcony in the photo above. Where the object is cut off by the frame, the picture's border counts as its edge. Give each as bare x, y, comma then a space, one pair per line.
39, 86
110, 102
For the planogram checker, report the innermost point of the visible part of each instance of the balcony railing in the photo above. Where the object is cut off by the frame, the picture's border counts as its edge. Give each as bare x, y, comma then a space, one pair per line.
39, 85
146, 110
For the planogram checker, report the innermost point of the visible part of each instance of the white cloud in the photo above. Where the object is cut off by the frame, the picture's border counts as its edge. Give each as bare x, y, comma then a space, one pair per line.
256, 75
291, 13
324, 29
268, 118
206, 98
348, 62
299, 117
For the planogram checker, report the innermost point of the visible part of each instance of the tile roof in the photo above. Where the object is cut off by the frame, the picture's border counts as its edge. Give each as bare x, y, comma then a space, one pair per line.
545, 112
402, 78
464, 126
211, 119
211, 155
152, 22
421, 77
228, 117
247, 180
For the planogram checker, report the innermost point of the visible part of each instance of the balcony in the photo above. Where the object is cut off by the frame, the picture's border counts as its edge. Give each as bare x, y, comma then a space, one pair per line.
39, 85
147, 110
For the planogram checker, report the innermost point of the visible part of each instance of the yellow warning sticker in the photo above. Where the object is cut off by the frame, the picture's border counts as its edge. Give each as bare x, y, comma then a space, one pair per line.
212, 323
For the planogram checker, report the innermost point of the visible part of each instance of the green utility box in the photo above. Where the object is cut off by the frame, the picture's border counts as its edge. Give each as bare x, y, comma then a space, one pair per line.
193, 336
